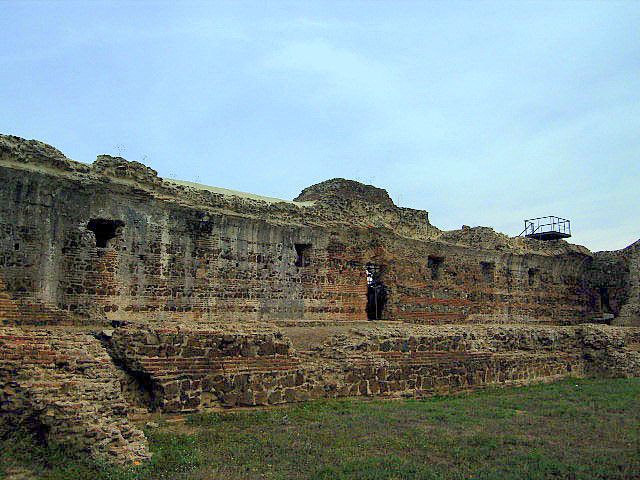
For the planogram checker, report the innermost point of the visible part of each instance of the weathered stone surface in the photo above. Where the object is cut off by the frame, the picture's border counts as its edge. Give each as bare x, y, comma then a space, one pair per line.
191, 367
63, 386
364, 361
185, 253
615, 277
120, 168
340, 189
202, 298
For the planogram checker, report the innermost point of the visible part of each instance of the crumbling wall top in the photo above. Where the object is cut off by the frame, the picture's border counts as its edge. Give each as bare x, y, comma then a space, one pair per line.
343, 189
337, 201
121, 168
37, 154
488, 239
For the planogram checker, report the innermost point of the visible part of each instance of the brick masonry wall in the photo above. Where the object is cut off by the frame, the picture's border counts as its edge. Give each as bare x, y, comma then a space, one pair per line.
171, 261
163, 263
192, 254
193, 368
63, 387
166, 262
426, 360
616, 277
517, 288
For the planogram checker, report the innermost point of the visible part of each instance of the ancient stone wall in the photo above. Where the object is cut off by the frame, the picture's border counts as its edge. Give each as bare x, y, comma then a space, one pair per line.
614, 277
114, 241
433, 282
63, 387
164, 260
194, 367
224, 299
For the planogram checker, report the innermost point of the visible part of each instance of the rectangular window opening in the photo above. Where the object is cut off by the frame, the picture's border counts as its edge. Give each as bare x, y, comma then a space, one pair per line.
303, 254
488, 271
435, 265
104, 230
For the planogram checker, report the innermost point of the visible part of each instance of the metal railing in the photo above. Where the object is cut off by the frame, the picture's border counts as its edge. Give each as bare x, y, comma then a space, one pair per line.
551, 223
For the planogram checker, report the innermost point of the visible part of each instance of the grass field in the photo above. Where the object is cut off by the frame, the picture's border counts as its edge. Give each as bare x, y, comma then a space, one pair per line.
575, 429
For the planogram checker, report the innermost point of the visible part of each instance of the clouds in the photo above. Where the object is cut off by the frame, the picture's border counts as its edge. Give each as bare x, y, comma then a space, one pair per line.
344, 72
526, 124
481, 113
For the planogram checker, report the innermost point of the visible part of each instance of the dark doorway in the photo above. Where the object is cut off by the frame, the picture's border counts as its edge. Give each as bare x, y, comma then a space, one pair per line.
104, 230
605, 304
376, 292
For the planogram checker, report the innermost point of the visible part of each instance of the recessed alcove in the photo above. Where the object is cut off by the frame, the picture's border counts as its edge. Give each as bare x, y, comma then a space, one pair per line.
488, 271
303, 254
435, 265
104, 230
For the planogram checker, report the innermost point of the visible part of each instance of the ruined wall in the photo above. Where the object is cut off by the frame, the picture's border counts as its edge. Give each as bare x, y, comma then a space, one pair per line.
86, 244
63, 387
195, 280
190, 368
194, 367
165, 261
434, 282
614, 277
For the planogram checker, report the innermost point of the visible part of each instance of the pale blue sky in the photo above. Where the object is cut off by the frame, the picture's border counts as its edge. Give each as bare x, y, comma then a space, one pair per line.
481, 113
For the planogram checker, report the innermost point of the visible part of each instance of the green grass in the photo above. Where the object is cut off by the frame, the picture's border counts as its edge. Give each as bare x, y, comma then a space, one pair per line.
575, 429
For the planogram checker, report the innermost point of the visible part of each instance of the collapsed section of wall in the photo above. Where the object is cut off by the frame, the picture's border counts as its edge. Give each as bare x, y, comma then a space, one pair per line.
63, 387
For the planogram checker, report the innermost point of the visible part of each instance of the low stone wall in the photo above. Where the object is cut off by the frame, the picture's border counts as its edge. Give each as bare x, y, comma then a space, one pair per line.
62, 385
612, 351
443, 372
194, 367
75, 389
200, 366
494, 338
425, 360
